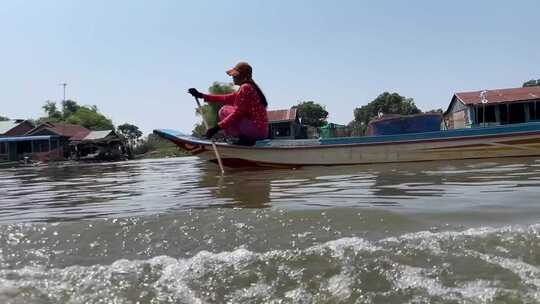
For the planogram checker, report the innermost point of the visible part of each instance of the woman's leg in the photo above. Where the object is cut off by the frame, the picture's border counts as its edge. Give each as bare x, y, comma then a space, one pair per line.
225, 111
244, 129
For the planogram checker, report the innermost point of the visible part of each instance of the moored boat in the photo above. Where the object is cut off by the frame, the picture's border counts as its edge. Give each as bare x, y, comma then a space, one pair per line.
513, 140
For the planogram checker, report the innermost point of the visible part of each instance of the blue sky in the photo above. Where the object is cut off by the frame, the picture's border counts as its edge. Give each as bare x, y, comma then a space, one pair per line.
135, 59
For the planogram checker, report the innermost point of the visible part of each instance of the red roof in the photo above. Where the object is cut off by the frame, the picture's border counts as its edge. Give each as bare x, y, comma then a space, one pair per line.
282, 115
500, 96
73, 132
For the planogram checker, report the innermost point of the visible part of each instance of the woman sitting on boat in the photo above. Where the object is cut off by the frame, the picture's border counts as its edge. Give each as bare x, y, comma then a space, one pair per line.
243, 115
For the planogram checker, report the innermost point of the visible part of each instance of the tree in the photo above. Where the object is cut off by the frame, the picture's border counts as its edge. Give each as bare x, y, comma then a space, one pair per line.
386, 103
210, 110
437, 111
221, 88
531, 83
69, 107
90, 119
53, 115
311, 113
73, 113
130, 132
3, 118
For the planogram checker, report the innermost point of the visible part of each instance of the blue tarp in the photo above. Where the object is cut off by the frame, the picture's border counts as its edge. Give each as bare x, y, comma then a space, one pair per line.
406, 124
26, 138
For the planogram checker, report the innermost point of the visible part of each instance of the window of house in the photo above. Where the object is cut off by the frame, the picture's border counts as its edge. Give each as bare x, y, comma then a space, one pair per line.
503, 112
24, 147
281, 130
532, 110
517, 112
489, 115
3, 148
41, 146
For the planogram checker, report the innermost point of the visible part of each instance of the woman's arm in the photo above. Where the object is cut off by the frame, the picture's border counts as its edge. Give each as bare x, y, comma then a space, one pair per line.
224, 99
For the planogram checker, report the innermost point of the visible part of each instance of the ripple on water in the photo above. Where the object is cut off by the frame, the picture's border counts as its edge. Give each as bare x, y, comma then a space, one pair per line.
154, 186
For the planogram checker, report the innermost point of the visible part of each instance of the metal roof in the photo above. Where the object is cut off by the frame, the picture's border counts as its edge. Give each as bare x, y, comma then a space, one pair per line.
74, 132
7, 125
282, 115
26, 138
93, 135
500, 95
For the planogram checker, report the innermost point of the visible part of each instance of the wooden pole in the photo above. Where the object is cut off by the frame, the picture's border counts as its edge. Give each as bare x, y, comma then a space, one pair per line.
211, 140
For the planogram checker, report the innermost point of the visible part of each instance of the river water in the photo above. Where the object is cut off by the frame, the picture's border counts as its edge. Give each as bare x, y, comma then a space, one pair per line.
173, 231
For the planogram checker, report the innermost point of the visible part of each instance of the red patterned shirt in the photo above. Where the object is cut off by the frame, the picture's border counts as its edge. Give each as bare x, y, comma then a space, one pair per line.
247, 105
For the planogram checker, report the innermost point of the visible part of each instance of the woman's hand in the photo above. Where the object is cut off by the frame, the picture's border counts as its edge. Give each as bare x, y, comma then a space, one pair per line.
212, 131
195, 93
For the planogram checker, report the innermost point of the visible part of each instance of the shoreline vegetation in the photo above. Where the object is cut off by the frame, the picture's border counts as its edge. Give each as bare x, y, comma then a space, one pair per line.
155, 147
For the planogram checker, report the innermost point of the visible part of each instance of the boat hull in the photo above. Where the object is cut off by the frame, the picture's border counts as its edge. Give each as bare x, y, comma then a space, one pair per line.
493, 143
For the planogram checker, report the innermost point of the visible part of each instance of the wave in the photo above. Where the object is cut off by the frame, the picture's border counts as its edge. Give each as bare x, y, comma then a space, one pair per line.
477, 265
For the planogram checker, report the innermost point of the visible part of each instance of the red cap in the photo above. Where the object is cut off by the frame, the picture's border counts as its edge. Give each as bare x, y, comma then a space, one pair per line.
242, 68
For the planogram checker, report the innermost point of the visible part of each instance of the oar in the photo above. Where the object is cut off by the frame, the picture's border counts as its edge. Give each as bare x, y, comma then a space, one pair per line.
211, 140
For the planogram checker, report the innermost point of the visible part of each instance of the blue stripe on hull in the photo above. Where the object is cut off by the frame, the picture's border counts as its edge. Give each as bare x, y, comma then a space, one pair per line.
470, 132
530, 127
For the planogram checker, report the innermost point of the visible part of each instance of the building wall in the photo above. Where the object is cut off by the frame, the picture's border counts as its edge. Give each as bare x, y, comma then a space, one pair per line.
282, 130
55, 154
4, 151
37, 150
460, 116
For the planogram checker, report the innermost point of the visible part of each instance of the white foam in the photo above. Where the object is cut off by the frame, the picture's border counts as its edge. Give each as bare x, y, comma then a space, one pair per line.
418, 278
299, 296
432, 241
242, 275
340, 286
339, 246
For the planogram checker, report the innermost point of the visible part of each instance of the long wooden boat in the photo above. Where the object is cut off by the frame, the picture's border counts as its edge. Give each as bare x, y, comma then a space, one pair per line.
499, 141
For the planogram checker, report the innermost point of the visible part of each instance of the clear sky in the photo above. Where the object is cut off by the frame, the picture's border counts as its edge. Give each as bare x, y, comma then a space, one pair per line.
136, 59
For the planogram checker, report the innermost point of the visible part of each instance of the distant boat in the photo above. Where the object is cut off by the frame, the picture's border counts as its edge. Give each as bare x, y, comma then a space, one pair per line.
469, 143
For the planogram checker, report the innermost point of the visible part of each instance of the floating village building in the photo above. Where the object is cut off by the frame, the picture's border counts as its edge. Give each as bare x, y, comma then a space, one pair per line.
103, 145
285, 124
20, 140
15, 127
493, 107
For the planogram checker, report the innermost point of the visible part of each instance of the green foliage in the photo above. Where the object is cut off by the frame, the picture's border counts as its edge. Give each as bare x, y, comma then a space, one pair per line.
437, 111
210, 110
53, 115
3, 118
154, 146
72, 113
130, 132
90, 119
357, 128
531, 83
221, 88
386, 103
69, 107
312, 114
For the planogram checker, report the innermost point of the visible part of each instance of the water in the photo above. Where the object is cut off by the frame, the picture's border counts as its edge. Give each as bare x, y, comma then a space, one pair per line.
173, 231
